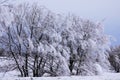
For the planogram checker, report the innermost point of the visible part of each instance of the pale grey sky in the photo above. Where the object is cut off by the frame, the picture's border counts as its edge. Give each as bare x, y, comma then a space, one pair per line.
95, 10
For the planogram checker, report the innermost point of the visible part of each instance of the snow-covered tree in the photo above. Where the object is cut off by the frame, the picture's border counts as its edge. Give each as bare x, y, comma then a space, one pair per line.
114, 58
42, 42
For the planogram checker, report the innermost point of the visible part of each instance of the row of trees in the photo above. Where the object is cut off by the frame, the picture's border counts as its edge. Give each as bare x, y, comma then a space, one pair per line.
43, 43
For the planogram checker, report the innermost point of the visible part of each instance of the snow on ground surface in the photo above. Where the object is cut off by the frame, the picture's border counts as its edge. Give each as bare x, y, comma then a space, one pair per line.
108, 76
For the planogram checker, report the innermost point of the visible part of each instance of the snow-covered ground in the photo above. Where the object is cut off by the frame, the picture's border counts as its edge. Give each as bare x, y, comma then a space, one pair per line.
108, 76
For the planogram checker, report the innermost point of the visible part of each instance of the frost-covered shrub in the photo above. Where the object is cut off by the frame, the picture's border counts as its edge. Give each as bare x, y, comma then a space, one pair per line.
42, 42
2, 52
114, 58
